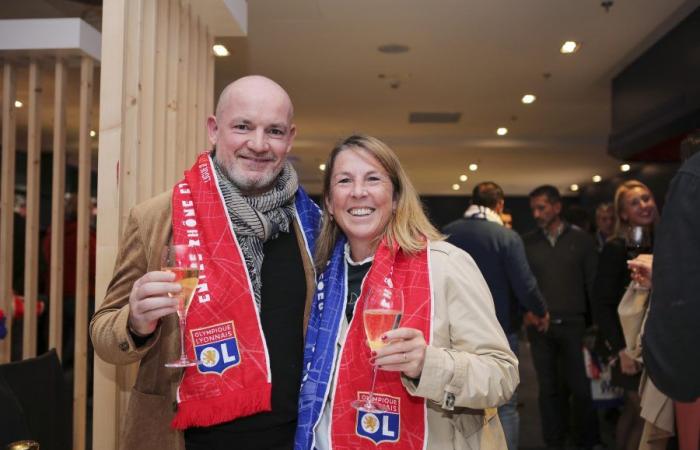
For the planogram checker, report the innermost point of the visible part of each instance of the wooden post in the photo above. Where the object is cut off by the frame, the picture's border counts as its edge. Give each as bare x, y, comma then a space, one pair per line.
174, 73
7, 201
160, 99
82, 255
107, 412
183, 91
31, 253
58, 209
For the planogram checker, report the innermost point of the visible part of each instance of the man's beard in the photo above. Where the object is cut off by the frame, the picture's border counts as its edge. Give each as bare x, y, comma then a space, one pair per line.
257, 183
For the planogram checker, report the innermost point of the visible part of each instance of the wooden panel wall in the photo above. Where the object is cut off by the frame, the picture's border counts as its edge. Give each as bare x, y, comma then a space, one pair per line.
7, 198
156, 92
30, 332
31, 249
58, 190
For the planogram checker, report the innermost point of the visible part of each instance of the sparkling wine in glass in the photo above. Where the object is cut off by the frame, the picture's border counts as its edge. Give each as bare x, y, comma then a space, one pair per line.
382, 312
182, 260
637, 241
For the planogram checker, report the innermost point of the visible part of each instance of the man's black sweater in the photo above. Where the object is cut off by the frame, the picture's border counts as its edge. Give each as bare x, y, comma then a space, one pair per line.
565, 272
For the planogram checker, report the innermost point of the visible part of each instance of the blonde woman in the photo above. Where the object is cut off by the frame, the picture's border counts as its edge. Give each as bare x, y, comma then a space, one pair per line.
445, 368
634, 205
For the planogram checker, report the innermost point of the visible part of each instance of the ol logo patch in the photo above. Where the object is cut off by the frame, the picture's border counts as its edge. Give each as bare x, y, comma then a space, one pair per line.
216, 348
379, 426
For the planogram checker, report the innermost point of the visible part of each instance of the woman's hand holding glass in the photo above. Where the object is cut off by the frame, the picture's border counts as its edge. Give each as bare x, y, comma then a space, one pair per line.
641, 269
404, 352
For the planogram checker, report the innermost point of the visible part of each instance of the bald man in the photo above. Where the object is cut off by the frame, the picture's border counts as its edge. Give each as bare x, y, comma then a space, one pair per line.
249, 225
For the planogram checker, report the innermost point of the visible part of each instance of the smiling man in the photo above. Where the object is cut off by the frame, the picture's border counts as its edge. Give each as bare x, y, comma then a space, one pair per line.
251, 226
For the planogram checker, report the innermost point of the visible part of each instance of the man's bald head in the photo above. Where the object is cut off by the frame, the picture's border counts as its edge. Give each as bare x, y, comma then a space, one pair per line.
257, 84
252, 132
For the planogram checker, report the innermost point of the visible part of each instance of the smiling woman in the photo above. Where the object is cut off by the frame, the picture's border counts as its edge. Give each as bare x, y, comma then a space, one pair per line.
375, 238
634, 207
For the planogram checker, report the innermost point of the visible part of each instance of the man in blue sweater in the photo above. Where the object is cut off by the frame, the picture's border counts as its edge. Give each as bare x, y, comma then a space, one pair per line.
500, 255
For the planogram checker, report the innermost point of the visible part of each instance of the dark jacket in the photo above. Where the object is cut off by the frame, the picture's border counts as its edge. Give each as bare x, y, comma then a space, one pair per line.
500, 255
565, 271
672, 330
612, 278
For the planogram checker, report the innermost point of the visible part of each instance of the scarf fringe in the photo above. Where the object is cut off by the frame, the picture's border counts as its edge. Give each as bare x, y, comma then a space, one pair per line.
222, 409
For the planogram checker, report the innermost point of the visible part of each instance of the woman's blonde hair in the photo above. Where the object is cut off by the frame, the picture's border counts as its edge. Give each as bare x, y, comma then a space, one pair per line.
408, 226
621, 225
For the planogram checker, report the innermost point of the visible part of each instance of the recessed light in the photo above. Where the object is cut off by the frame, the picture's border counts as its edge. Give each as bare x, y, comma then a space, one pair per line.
569, 47
528, 98
220, 50
597, 178
18, 104
463, 178
93, 133
574, 187
473, 167
502, 131
455, 187
322, 167
393, 48
625, 167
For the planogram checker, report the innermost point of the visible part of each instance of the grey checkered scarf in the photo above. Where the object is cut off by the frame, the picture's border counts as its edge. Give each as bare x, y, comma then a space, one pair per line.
257, 219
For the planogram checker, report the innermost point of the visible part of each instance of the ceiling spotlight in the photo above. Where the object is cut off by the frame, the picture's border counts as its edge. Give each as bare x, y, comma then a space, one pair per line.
463, 178
574, 187
473, 167
93, 133
569, 47
528, 98
322, 167
502, 131
455, 187
18, 104
597, 178
625, 167
220, 50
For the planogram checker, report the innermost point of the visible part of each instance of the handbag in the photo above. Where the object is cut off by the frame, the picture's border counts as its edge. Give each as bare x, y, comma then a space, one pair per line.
632, 311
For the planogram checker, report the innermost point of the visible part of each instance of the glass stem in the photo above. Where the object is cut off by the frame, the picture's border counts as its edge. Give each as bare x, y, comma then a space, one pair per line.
370, 399
183, 356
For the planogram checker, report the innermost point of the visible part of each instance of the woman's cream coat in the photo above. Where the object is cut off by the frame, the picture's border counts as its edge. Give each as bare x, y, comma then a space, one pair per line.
469, 368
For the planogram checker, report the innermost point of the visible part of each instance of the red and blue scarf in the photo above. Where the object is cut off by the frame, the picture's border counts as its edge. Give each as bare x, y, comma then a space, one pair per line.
223, 327
404, 424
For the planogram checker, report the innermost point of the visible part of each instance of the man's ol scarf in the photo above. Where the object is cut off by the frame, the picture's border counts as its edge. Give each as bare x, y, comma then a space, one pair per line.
223, 327
257, 219
404, 424
484, 213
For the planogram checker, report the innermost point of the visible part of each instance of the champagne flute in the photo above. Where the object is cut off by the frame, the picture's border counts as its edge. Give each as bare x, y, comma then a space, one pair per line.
382, 311
182, 260
637, 241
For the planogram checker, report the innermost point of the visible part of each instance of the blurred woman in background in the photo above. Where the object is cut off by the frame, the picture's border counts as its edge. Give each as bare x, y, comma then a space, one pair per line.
635, 216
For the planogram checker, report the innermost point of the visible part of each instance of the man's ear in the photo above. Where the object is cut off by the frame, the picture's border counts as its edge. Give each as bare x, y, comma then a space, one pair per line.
212, 129
500, 205
292, 135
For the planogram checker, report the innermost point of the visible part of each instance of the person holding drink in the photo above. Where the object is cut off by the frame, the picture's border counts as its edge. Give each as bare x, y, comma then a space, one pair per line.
406, 348
635, 216
219, 271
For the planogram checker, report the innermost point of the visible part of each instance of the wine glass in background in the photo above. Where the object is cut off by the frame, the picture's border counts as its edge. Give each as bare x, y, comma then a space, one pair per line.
182, 260
637, 241
382, 311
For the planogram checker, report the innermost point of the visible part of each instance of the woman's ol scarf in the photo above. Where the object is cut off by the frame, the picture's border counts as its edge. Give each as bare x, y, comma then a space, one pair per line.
223, 327
404, 425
